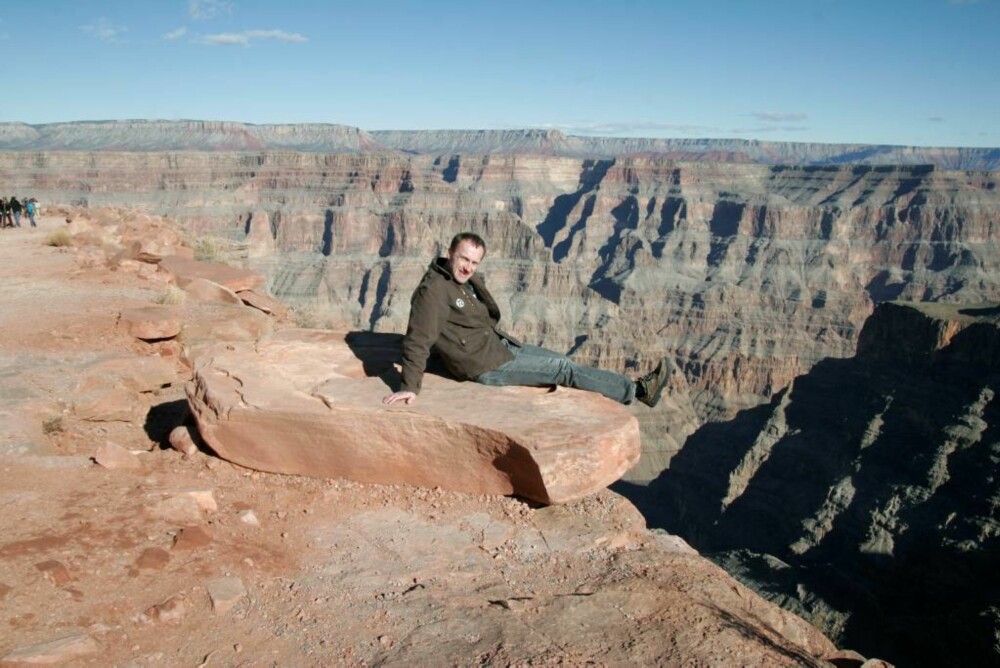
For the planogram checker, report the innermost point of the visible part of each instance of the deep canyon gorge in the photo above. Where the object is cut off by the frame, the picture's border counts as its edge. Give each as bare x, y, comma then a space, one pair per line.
827, 443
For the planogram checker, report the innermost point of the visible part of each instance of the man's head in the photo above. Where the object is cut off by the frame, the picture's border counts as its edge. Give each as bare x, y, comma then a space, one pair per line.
464, 255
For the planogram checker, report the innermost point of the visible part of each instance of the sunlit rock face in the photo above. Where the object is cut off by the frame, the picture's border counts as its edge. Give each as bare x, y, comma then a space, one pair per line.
749, 274
308, 402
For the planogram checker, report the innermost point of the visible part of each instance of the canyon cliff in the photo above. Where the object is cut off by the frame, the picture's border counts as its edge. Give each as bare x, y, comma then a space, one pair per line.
757, 278
865, 495
197, 135
127, 542
747, 274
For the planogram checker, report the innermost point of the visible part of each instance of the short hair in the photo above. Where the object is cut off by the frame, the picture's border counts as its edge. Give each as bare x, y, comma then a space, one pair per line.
475, 239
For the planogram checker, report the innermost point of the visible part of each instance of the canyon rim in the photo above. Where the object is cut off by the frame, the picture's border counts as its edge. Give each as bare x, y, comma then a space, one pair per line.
757, 267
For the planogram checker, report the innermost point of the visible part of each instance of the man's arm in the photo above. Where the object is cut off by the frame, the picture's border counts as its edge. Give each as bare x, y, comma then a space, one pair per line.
428, 313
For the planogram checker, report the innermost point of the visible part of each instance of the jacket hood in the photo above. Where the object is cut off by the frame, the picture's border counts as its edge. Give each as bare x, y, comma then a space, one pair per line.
440, 265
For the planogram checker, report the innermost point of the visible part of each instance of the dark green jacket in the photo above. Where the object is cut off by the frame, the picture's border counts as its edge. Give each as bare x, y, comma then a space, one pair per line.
461, 328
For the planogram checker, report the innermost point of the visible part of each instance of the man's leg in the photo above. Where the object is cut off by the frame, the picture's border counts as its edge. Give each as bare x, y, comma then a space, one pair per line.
537, 367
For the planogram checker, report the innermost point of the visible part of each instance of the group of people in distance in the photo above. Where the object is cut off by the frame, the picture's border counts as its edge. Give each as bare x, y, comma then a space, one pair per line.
11, 209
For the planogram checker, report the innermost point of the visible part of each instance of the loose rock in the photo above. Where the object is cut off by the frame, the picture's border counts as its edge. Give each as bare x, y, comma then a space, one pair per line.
112, 456
225, 593
59, 650
181, 440
192, 538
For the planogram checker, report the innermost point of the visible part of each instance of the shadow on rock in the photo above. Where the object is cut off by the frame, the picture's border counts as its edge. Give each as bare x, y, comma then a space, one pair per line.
162, 418
380, 352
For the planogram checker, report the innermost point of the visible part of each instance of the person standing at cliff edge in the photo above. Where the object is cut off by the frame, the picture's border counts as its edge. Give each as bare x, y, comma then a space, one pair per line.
31, 207
15, 208
452, 312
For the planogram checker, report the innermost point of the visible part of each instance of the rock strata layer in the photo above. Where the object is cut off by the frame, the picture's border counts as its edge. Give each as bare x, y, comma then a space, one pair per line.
748, 274
308, 402
193, 135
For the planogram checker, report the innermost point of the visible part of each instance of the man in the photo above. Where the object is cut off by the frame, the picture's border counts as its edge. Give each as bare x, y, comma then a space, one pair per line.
15, 208
32, 205
453, 312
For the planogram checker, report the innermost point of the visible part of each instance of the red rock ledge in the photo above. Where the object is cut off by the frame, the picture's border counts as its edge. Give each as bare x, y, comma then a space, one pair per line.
308, 402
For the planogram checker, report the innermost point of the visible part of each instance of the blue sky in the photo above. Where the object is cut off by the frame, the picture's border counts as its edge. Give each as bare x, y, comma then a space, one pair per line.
918, 72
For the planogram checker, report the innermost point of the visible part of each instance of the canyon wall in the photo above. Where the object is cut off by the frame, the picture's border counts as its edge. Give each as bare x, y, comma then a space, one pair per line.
200, 135
843, 466
865, 495
748, 274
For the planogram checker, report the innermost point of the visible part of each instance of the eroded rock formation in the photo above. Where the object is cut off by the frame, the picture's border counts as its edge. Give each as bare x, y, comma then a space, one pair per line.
757, 278
308, 402
149, 555
749, 274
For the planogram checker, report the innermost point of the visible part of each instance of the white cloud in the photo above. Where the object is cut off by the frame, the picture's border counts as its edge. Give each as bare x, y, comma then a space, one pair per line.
225, 38
202, 10
279, 35
104, 30
761, 129
176, 34
244, 38
778, 116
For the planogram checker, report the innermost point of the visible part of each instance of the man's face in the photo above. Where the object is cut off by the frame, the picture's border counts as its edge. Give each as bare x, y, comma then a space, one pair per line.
464, 260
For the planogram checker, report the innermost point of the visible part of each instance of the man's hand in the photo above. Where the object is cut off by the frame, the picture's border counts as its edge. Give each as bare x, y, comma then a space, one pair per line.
406, 397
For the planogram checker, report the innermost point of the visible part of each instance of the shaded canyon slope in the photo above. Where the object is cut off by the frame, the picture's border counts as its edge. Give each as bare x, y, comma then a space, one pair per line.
866, 495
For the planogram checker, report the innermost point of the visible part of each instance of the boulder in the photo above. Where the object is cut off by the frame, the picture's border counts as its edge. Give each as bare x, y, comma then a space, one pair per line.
113, 456
225, 593
171, 610
264, 302
211, 323
151, 272
181, 440
185, 506
184, 270
150, 323
150, 242
87, 233
309, 402
204, 290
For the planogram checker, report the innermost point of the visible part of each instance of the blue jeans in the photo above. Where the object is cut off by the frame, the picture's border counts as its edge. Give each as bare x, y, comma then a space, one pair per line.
17, 218
537, 367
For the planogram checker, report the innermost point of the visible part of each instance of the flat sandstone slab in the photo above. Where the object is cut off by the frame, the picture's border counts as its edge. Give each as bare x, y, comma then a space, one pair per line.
185, 270
309, 402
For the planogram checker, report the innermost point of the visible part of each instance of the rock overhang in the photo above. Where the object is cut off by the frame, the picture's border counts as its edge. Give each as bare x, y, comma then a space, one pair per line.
308, 402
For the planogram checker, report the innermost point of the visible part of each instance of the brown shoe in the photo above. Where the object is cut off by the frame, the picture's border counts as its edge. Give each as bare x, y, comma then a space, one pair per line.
654, 382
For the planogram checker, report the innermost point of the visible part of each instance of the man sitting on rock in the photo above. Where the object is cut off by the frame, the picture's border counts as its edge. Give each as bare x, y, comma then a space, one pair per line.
453, 312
